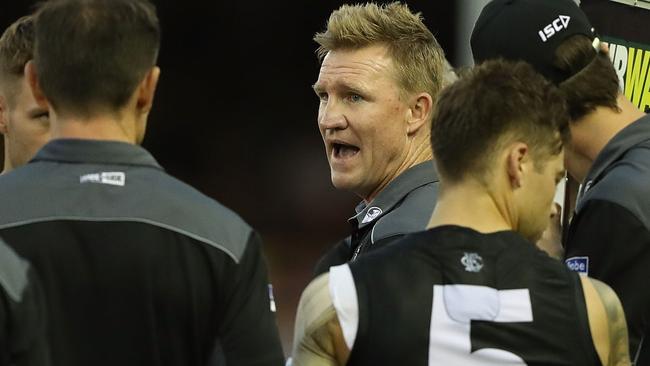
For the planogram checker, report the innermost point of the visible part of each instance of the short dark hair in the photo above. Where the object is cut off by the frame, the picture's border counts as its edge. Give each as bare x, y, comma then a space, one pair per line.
494, 104
594, 82
90, 55
16, 49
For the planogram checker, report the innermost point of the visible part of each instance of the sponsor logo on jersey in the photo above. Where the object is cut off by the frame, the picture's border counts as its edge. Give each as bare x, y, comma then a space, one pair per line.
110, 178
472, 262
372, 214
560, 23
578, 264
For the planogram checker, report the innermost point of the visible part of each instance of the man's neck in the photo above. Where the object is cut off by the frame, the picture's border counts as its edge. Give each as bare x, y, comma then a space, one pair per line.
419, 153
471, 205
97, 128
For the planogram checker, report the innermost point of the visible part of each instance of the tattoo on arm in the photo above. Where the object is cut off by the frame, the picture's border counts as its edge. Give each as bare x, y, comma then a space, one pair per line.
318, 338
619, 347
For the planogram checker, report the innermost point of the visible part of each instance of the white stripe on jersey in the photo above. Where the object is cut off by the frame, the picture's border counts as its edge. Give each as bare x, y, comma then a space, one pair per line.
344, 298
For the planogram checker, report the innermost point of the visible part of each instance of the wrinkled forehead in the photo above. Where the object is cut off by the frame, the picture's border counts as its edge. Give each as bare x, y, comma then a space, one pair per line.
367, 63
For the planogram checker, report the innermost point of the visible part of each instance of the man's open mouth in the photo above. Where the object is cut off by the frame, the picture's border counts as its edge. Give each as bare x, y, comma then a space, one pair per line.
343, 151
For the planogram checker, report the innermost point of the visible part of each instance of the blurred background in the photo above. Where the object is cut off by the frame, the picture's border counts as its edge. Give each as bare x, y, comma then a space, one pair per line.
235, 117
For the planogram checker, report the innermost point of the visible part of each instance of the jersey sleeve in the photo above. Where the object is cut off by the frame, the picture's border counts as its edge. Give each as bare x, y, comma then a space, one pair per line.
249, 333
614, 246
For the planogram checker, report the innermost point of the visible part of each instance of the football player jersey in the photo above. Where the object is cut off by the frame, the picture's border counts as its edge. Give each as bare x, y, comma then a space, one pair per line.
454, 296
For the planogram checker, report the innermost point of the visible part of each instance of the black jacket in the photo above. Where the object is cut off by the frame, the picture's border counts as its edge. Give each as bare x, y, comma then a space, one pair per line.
23, 340
137, 267
609, 235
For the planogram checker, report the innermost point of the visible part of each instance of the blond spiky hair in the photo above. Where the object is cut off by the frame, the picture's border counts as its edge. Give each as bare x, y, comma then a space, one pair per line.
418, 57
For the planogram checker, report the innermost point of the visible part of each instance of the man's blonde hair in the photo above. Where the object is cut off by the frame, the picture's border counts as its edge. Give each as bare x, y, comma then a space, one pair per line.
417, 56
16, 48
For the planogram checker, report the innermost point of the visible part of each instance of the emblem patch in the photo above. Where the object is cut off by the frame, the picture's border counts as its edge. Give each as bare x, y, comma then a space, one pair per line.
372, 214
472, 262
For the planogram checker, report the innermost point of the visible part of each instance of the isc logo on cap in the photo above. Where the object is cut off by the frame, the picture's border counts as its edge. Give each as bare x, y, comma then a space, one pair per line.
562, 22
578, 264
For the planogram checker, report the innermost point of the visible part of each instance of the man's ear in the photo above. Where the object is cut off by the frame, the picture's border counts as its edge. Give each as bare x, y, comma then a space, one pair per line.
420, 112
147, 90
32, 79
518, 155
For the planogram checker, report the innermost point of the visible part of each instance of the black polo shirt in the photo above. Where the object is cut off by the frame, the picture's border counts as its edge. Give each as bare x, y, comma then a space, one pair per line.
403, 207
137, 267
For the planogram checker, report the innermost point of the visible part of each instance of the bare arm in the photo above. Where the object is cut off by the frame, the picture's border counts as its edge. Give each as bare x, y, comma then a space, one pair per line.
318, 338
607, 323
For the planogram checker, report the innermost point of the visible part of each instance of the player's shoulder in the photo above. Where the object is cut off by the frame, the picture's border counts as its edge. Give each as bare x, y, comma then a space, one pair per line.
410, 215
198, 213
195, 202
419, 249
625, 183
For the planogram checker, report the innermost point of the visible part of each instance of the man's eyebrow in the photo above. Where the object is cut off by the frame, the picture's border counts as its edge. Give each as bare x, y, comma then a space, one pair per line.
341, 86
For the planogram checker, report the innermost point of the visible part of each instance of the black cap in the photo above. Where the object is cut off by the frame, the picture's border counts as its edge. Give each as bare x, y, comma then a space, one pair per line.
528, 30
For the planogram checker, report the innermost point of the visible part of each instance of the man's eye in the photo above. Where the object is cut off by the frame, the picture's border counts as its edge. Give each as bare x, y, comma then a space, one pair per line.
44, 116
354, 98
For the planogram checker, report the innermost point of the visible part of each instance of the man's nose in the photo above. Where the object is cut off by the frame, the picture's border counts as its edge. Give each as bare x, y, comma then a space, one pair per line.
331, 117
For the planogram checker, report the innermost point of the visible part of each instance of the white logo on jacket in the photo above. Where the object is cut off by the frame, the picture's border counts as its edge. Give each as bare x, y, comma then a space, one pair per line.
373, 213
110, 178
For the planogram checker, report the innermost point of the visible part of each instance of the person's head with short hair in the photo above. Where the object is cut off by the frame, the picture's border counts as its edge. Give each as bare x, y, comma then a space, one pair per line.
96, 59
381, 70
24, 124
555, 37
501, 129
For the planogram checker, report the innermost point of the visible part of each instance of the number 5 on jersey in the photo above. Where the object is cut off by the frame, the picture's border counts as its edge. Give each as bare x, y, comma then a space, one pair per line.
454, 308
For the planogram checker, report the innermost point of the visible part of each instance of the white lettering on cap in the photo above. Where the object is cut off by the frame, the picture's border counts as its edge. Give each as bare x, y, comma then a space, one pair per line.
561, 22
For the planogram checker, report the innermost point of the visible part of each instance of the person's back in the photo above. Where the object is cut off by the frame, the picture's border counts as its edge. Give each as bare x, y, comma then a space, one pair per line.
23, 340
460, 297
143, 272
474, 289
137, 267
